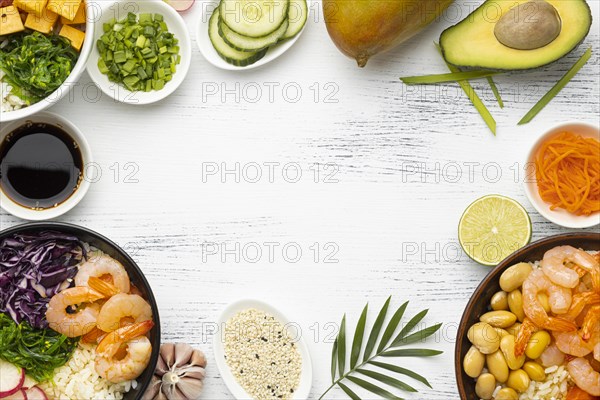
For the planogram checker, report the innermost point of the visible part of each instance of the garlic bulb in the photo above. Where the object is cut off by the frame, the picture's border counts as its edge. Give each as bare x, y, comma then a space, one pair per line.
179, 373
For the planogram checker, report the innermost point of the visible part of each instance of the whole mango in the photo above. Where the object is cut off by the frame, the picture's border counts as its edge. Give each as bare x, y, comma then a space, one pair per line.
363, 28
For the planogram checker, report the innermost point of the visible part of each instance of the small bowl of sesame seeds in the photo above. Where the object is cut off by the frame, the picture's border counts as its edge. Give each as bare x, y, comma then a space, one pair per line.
260, 354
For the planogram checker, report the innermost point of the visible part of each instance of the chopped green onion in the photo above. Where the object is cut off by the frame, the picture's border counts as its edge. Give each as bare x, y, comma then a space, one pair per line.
139, 52
495, 91
470, 92
452, 77
539, 106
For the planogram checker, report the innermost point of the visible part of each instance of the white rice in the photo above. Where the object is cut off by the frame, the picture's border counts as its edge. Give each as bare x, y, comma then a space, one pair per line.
8, 101
554, 387
78, 380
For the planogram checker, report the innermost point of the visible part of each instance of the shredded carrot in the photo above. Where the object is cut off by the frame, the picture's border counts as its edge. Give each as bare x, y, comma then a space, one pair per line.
568, 173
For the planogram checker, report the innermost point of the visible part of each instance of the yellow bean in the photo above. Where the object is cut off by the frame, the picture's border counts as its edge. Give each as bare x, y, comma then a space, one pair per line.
485, 386
513, 277
484, 337
544, 301
499, 301
535, 371
518, 380
507, 346
507, 394
515, 303
473, 362
497, 366
501, 332
514, 330
499, 319
537, 344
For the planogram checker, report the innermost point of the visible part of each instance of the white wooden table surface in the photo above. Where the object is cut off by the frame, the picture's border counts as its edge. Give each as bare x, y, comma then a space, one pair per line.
380, 220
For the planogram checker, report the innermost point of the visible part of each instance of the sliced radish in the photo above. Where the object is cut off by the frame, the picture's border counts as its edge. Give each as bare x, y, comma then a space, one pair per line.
181, 5
19, 395
29, 382
11, 378
35, 393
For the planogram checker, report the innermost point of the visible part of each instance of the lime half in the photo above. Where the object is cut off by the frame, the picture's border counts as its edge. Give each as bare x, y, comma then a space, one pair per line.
492, 228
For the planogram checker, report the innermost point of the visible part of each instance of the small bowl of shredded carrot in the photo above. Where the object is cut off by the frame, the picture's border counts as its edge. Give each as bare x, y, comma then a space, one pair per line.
563, 179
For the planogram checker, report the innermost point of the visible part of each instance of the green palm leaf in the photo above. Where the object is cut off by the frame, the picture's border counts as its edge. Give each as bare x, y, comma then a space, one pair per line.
393, 382
391, 328
400, 370
409, 326
349, 392
373, 388
411, 353
334, 360
385, 347
376, 330
341, 342
358, 337
419, 336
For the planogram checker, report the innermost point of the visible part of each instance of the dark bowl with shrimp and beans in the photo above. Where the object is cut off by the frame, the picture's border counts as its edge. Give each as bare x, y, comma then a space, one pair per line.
136, 277
479, 303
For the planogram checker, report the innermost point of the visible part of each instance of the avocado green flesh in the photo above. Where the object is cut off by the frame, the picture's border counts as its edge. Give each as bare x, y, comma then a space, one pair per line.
472, 43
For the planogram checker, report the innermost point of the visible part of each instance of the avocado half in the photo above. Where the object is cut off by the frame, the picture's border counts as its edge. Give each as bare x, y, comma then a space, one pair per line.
473, 43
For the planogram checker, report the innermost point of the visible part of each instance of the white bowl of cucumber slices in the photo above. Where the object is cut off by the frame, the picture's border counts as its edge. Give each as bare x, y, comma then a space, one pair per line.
243, 34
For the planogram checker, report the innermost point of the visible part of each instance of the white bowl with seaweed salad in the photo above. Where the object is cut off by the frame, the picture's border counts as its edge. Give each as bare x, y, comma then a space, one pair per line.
58, 37
142, 51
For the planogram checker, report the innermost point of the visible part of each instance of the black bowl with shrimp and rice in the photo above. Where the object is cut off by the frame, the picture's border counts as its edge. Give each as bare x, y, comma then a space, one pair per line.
78, 319
515, 341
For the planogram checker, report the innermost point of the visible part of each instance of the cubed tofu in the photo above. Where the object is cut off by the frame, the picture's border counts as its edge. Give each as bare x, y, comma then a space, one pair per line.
43, 23
75, 35
10, 21
65, 8
31, 6
79, 17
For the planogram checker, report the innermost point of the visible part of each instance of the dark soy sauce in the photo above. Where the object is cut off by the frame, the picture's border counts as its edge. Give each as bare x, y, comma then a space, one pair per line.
40, 165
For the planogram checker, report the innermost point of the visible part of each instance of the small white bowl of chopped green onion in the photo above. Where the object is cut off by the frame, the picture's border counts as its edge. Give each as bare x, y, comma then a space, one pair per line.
142, 51
262, 354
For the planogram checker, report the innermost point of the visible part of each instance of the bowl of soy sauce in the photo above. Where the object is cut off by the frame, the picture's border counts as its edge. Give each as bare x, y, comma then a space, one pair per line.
42, 167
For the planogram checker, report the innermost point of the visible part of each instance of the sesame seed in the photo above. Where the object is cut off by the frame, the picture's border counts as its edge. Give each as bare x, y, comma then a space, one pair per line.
255, 342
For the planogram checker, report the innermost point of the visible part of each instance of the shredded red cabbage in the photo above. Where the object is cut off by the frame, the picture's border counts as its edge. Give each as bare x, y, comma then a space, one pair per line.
33, 268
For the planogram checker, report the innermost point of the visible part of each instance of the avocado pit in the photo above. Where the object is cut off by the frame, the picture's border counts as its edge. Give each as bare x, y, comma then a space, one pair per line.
529, 26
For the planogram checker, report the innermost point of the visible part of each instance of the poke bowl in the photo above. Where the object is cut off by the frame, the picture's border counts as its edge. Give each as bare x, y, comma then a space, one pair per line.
486, 306
69, 285
42, 29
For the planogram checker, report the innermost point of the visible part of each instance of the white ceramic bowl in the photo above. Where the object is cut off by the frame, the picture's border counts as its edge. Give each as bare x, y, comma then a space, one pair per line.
176, 25
303, 390
40, 215
92, 11
211, 55
558, 216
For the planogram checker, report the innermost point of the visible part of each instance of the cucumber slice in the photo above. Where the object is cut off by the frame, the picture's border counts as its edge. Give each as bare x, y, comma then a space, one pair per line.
228, 53
297, 16
254, 18
245, 43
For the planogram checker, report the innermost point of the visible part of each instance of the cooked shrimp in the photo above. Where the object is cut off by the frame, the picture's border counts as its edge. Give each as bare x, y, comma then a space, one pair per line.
80, 322
553, 265
560, 302
591, 323
552, 356
597, 351
580, 301
572, 343
526, 329
584, 376
578, 394
138, 350
101, 266
122, 306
